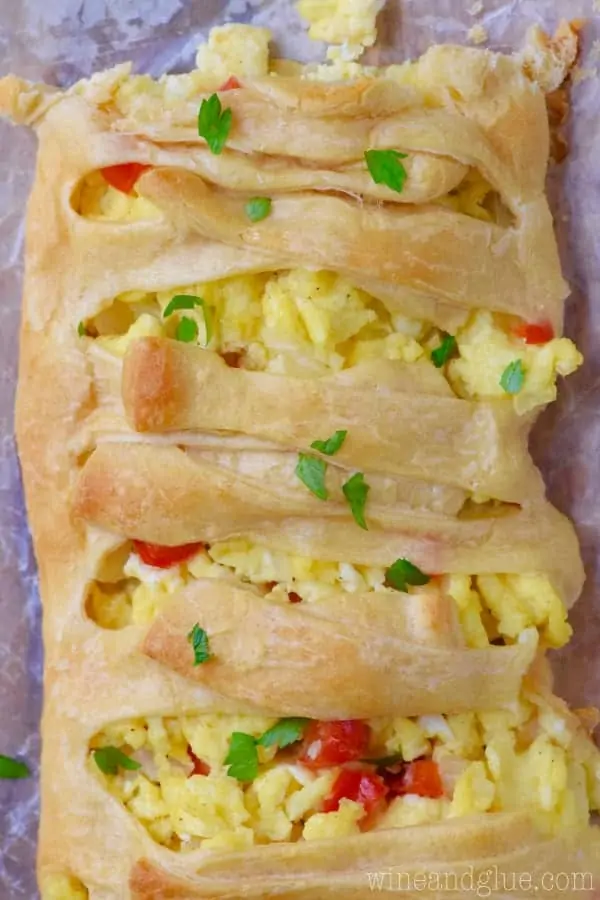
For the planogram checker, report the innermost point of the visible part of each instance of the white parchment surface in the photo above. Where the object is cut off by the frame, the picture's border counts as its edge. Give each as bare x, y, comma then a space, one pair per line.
59, 41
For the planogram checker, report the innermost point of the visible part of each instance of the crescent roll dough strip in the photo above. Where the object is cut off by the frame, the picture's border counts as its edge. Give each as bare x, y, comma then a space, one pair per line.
496, 845
371, 655
266, 459
429, 177
170, 386
161, 495
487, 95
427, 248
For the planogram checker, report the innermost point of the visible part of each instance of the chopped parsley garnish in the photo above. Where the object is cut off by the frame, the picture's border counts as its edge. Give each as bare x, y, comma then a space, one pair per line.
189, 332
331, 445
242, 757
355, 491
284, 733
513, 377
182, 301
198, 638
311, 472
110, 759
402, 573
214, 123
442, 354
82, 330
12, 768
258, 208
385, 168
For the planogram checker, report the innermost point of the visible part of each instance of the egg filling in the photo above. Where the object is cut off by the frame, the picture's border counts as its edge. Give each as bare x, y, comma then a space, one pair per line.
314, 323
490, 608
225, 783
310, 324
58, 886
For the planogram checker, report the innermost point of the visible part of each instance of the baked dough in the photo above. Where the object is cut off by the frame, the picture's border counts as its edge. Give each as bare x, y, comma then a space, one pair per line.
112, 453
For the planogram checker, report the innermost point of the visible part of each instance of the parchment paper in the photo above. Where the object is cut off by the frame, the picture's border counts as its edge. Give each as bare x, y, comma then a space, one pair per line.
61, 40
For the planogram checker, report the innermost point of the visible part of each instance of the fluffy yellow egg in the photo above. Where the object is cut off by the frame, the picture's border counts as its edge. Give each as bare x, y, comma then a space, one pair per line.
235, 50
485, 352
350, 22
412, 810
473, 792
341, 823
62, 887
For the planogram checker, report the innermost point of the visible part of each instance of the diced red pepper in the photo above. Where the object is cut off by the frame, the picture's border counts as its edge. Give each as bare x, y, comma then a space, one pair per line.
421, 777
232, 84
533, 333
200, 767
361, 785
333, 743
124, 176
293, 597
164, 557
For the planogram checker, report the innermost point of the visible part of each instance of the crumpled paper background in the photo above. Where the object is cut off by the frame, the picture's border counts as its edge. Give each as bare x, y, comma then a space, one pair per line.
59, 42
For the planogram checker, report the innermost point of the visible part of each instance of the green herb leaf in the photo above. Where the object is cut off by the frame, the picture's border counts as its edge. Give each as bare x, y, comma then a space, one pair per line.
182, 301
513, 377
198, 638
355, 491
284, 733
242, 757
214, 123
189, 301
12, 768
258, 208
442, 354
187, 330
385, 168
402, 573
82, 330
311, 472
110, 759
331, 445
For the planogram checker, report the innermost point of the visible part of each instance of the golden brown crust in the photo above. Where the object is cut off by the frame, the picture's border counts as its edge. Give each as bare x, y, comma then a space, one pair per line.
371, 655
485, 114
167, 495
169, 386
483, 851
438, 251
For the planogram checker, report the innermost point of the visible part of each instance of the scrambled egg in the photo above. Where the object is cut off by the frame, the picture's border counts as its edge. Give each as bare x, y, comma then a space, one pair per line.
505, 606
489, 606
314, 323
62, 887
241, 50
310, 324
485, 352
527, 756
349, 23
294, 322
